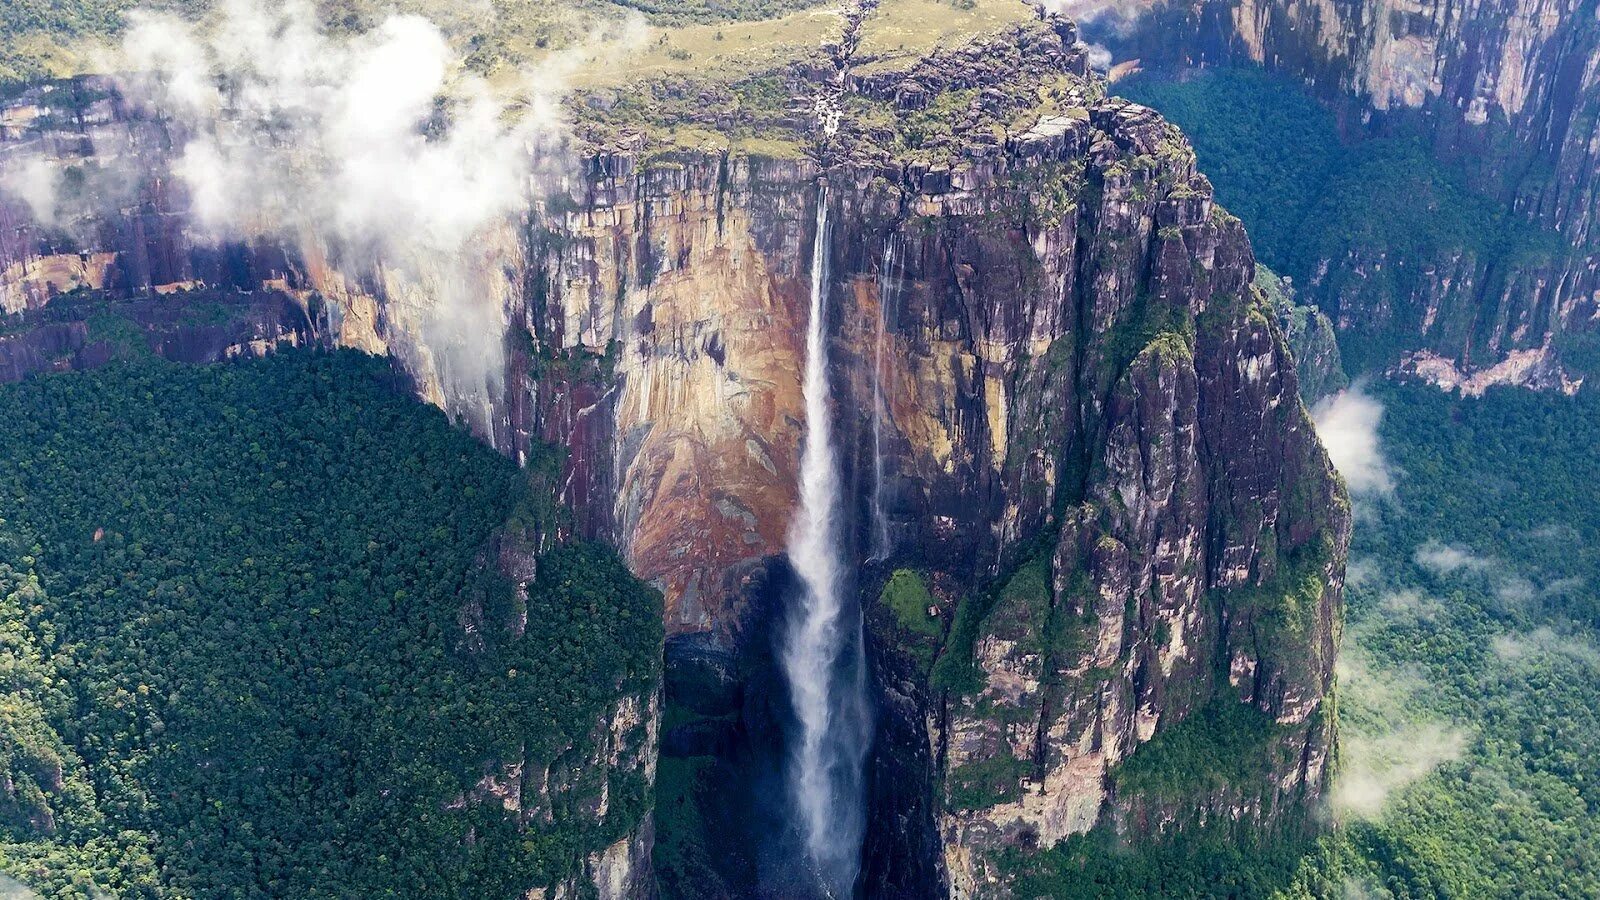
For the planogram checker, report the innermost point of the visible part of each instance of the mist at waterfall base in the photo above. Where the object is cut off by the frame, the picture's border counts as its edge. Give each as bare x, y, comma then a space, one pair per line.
823, 648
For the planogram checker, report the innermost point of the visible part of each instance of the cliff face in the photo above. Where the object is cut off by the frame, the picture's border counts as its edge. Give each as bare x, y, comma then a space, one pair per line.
1509, 92
1065, 410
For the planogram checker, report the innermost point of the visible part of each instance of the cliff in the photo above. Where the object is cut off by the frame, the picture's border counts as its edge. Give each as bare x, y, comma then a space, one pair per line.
1507, 93
1066, 413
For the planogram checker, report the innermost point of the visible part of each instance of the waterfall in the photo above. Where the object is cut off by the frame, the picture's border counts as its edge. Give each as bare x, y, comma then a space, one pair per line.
887, 287
823, 649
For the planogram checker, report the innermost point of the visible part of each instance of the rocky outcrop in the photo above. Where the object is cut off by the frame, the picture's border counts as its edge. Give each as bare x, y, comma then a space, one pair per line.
1507, 93
1200, 534
199, 326
1089, 433
1312, 338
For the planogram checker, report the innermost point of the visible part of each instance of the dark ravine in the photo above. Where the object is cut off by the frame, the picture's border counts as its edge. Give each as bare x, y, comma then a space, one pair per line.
1506, 93
1095, 455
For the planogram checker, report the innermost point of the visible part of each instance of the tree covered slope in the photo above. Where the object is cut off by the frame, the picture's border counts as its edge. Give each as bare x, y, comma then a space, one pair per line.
232, 602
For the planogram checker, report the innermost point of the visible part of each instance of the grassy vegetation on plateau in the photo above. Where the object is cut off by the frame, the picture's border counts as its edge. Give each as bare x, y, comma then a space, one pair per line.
715, 38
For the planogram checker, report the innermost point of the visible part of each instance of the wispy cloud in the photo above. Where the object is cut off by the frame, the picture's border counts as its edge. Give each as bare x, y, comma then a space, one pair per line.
380, 149
1348, 423
12, 889
1388, 741
1519, 647
1101, 22
1445, 559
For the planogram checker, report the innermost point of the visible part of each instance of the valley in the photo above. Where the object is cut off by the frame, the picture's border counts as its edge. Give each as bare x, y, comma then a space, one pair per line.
777, 449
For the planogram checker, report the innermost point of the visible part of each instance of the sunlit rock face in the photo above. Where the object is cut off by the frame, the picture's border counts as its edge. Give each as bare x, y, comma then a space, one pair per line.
1507, 91
686, 280
1072, 375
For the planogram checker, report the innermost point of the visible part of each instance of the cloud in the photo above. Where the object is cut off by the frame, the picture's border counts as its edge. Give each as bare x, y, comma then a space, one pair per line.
1108, 18
1444, 559
1387, 739
1511, 591
1363, 888
1410, 605
59, 188
1373, 767
12, 889
1101, 22
378, 152
1348, 422
36, 183
1514, 592
1361, 573
1516, 647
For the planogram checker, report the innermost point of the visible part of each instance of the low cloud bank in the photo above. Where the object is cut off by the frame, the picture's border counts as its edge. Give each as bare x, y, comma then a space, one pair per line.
1387, 741
1348, 423
12, 889
1446, 559
1519, 647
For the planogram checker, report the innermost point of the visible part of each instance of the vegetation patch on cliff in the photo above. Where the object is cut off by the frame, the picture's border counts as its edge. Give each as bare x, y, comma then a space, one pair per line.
1222, 744
1019, 607
987, 782
919, 628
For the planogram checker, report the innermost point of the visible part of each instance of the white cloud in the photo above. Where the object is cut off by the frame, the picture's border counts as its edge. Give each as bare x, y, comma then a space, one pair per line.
1446, 559
1410, 604
1516, 647
1361, 573
1348, 422
12, 889
1375, 766
1514, 592
378, 151
1387, 740
1511, 590
36, 183
1101, 21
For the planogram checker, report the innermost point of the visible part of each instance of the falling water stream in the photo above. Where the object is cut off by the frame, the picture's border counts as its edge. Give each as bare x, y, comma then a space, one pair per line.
823, 650
886, 291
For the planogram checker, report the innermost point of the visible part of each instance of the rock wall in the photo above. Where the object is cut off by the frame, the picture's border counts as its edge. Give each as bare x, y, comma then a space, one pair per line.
1510, 93
1090, 436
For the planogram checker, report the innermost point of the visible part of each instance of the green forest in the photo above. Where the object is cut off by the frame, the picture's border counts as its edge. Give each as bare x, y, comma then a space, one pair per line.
231, 599
1470, 654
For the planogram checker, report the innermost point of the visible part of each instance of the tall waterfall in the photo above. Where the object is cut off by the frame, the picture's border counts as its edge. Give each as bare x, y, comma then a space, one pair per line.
823, 652
887, 287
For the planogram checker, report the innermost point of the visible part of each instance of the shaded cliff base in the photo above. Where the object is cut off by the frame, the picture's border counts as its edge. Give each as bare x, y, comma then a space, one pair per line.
724, 820
89, 329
